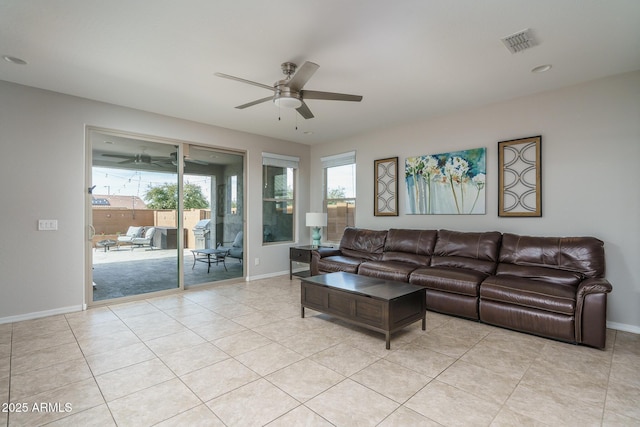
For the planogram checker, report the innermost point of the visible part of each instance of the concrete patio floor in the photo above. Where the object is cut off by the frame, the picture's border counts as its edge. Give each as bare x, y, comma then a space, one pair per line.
120, 272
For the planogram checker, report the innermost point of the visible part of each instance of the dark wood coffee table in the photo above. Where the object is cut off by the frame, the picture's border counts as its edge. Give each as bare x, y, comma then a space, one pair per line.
380, 305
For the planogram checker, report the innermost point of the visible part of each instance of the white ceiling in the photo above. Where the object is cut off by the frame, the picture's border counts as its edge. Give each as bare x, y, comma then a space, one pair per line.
409, 59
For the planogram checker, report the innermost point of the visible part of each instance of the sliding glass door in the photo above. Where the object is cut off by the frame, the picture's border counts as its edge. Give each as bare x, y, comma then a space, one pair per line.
134, 205
214, 248
156, 223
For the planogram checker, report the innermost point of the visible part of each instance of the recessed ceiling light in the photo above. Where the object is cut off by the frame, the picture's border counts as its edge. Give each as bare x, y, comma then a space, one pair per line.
14, 60
541, 68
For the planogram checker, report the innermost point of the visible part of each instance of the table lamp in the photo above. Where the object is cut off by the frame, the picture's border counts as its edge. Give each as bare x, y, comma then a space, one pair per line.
316, 220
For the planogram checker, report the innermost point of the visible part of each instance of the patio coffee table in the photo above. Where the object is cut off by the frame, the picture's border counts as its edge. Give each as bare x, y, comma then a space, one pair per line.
380, 305
205, 255
106, 244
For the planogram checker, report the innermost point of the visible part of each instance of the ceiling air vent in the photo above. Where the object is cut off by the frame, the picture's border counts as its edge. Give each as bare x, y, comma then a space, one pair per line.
519, 41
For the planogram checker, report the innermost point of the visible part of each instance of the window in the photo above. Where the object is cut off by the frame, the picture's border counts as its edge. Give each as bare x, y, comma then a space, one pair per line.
278, 197
340, 193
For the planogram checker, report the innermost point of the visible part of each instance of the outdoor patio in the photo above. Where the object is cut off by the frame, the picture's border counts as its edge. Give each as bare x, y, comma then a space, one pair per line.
120, 272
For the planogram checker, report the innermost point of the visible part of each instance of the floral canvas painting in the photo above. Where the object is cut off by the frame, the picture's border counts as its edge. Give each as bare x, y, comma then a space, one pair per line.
447, 183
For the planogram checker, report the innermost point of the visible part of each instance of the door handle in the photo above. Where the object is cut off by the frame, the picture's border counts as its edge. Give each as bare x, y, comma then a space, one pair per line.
92, 232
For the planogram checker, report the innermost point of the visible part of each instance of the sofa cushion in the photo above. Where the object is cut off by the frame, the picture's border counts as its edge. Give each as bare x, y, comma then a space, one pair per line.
474, 251
132, 232
237, 242
335, 263
530, 293
387, 270
363, 243
584, 255
409, 246
447, 279
548, 275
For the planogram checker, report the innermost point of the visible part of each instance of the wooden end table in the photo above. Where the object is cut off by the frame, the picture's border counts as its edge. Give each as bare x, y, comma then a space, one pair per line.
301, 254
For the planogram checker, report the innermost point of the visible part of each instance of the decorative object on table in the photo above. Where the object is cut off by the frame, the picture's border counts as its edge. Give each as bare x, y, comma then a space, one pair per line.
316, 220
447, 183
385, 201
519, 177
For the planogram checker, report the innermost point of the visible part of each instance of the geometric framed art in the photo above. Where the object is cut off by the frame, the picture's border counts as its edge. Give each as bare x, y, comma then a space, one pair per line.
520, 177
385, 200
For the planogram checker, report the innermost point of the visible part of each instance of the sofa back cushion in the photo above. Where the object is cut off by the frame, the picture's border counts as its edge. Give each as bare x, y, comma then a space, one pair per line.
475, 251
578, 257
237, 242
363, 243
134, 231
410, 246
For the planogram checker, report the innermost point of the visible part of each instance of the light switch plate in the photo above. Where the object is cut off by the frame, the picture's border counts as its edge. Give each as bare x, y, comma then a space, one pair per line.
47, 224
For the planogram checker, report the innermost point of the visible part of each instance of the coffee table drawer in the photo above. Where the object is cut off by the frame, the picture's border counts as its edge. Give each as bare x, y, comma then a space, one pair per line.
314, 297
361, 309
355, 307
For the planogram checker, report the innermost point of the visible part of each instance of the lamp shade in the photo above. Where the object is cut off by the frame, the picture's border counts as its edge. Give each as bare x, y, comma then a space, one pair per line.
316, 219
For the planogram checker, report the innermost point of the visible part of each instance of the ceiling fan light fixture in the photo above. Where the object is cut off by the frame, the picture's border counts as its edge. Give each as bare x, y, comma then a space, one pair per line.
286, 102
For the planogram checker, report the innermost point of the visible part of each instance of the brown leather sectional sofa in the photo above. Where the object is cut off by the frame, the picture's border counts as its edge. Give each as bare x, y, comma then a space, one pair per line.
548, 286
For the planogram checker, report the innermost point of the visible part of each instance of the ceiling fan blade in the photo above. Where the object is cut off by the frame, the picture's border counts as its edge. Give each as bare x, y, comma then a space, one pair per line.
305, 111
238, 79
118, 156
257, 101
197, 162
302, 75
329, 96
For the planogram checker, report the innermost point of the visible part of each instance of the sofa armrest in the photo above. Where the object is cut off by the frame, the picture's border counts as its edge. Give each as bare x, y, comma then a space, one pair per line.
593, 286
591, 312
319, 253
325, 252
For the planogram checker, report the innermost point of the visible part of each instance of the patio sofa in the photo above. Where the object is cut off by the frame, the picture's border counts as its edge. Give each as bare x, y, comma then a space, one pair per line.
236, 249
548, 286
132, 233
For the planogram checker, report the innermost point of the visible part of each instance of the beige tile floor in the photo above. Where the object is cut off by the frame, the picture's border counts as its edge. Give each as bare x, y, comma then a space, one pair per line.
240, 355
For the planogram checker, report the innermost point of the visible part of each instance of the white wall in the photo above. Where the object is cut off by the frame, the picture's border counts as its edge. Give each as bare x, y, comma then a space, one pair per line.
590, 172
42, 171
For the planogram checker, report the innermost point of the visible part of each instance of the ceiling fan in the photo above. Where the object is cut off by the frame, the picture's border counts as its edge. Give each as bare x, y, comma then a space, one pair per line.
288, 93
134, 158
143, 158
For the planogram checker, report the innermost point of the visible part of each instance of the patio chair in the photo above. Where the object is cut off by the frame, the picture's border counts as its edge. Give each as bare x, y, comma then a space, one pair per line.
132, 233
145, 240
235, 250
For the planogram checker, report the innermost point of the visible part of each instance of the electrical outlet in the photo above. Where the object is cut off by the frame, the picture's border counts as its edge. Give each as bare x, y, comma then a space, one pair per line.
47, 224
257, 261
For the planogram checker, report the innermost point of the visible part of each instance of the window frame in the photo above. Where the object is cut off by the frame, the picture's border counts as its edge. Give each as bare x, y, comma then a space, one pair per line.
333, 161
286, 163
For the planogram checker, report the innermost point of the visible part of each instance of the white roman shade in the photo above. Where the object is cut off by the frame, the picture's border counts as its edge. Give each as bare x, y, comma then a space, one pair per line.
338, 160
280, 160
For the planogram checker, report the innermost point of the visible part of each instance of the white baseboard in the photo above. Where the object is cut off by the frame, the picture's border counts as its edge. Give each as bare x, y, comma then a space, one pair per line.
623, 327
268, 275
39, 314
